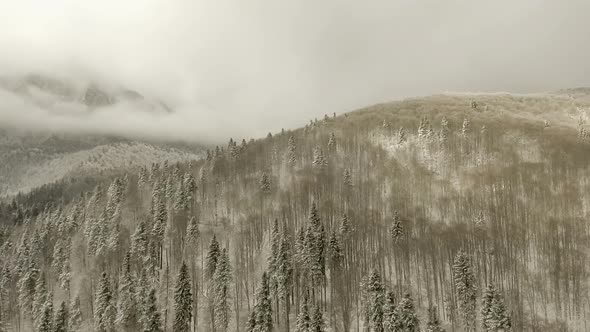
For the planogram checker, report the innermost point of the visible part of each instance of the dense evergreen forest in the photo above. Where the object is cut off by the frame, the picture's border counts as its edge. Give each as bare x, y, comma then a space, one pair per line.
432, 214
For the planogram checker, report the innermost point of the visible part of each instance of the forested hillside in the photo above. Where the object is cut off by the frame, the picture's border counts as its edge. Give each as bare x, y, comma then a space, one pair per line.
445, 213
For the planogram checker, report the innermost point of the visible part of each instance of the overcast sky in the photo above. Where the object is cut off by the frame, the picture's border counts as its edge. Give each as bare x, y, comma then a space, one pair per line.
243, 68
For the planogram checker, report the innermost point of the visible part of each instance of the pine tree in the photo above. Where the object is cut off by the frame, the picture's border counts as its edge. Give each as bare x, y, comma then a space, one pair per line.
466, 290
345, 228
315, 243
222, 279
190, 187
318, 158
284, 266
291, 151
75, 319
160, 221
500, 315
211, 262
390, 321
332, 143
152, 319
347, 178
212, 258
40, 300
433, 324
183, 305
263, 306
265, 183
140, 242
376, 301
46, 319
396, 229
303, 323
423, 128
126, 306
493, 311
275, 240
317, 321
486, 308
192, 233
142, 177
406, 315
61, 319
104, 310
114, 237
335, 251
181, 199
251, 325
401, 136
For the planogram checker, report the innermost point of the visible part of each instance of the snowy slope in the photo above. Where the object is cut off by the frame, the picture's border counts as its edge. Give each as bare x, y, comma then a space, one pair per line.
103, 157
29, 160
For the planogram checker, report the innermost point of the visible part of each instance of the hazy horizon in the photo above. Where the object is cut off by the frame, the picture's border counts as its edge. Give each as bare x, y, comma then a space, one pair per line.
234, 69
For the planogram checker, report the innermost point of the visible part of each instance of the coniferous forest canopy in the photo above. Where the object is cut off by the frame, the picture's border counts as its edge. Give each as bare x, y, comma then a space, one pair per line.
445, 213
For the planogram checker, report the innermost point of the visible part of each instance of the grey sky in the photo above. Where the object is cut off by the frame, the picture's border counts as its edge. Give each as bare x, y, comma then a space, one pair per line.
242, 68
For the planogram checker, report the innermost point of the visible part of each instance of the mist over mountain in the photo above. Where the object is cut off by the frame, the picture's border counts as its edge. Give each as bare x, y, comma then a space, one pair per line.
305, 166
230, 69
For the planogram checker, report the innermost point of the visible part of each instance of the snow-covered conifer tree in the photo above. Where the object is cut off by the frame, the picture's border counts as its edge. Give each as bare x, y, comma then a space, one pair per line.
104, 308
303, 319
126, 305
222, 279
401, 136
183, 301
406, 315
464, 280
61, 319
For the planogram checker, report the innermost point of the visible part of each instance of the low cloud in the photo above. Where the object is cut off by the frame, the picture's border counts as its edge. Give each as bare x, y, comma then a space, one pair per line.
241, 69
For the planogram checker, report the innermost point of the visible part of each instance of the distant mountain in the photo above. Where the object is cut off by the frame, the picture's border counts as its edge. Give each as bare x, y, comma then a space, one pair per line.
55, 94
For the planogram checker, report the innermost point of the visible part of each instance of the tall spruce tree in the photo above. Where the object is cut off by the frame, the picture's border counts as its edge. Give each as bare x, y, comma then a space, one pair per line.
376, 300
303, 319
222, 279
494, 316
212, 258
152, 318
46, 320
465, 287
263, 306
104, 309
61, 319
291, 151
210, 266
75, 315
317, 323
390, 321
126, 305
183, 301
406, 315
396, 230
40, 300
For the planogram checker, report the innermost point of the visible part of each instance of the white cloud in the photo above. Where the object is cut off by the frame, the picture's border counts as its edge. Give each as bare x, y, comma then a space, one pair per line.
242, 68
